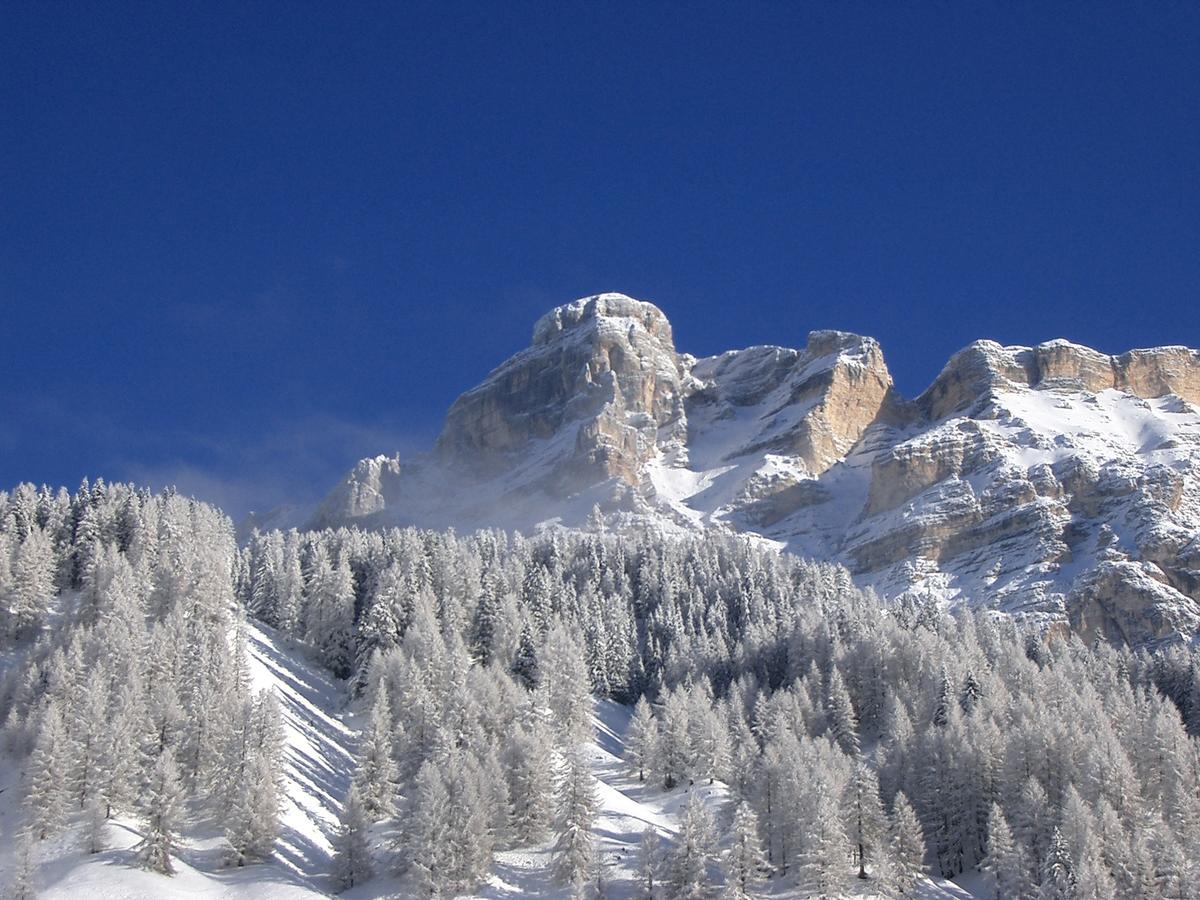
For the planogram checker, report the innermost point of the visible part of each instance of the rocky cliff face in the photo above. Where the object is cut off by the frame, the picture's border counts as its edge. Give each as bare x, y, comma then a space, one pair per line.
1053, 481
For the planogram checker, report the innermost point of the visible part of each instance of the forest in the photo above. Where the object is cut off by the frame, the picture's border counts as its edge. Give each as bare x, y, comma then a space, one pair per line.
864, 744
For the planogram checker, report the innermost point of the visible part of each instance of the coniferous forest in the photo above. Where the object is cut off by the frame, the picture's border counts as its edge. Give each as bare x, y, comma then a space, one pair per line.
864, 746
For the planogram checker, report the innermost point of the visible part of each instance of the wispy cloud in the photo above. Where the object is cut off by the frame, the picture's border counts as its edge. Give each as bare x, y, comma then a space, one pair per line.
293, 464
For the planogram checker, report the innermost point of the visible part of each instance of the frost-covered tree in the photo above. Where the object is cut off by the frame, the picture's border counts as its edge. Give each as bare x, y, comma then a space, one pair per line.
641, 738
351, 847
649, 862
427, 835
744, 860
674, 740
694, 852
527, 764
95, 827
1058, 872
1006, 865
252, 824
866, 822
843, 722
375, 773
906, 845
575, 846
47, 797
565, 679
161, 809
31, 584
23, 882
820, 860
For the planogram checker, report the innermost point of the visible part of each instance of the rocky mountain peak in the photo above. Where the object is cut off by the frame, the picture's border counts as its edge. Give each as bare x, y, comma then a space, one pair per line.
1051, 481
603, 310
601, 377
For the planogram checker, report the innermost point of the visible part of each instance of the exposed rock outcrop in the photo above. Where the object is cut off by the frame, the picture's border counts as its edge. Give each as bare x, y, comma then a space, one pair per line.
1054, 482
604, 367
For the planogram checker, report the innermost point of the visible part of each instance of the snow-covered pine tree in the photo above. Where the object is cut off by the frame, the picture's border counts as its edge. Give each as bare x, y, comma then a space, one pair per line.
649, 862
744, 860
525, 667
866, 822
694, 852
23, 883
32, 584
527, 764
161, 807
252, 824
906, 845
674, 740
843, 722
375, 773
95, 827
641, 738
564, 676
1058, 872
47, 799
575, 846
426, 837
351, 847
820, 861
1006, 865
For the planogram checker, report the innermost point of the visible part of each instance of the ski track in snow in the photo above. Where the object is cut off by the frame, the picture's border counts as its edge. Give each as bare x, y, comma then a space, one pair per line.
317, 765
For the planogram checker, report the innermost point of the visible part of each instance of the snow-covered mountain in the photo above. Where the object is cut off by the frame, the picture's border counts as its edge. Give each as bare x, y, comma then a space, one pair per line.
1050, 481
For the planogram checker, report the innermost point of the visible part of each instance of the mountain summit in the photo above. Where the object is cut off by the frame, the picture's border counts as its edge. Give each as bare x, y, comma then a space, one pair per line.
1053, 481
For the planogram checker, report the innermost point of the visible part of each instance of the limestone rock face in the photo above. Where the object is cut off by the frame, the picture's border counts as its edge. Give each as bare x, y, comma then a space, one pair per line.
1054, 482
985, 366
361, 493
603, 369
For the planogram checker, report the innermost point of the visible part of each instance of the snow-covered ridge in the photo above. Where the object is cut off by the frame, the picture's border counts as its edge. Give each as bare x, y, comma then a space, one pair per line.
1023, 477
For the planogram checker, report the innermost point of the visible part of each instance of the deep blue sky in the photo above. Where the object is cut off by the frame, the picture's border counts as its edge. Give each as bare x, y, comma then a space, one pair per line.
243, 245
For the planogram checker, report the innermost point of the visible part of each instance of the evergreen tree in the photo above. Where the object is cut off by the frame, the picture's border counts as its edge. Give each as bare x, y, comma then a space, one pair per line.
525, 666
46, 791
23, 884
820, 858
1006, 865
351, 848
565, 679
866, 822
649, 862
253, 820
375, 773
906, 844
1058, 874
744, 859
694, 852
843, 723
527, 764
641, 738
575, 848
161, 808
941, 706
95, 827
427, 835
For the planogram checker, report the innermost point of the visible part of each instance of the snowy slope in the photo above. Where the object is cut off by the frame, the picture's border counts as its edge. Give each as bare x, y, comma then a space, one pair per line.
317, 764
316, 767
626, 807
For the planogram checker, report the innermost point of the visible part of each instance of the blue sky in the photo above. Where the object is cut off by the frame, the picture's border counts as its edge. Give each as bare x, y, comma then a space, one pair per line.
243, 245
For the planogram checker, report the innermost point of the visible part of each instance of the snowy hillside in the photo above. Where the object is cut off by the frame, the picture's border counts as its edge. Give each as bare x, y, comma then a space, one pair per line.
317, 759
318, 762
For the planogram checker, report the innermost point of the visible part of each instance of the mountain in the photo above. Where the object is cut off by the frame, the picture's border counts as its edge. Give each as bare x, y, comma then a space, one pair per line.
1052, 482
